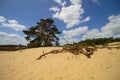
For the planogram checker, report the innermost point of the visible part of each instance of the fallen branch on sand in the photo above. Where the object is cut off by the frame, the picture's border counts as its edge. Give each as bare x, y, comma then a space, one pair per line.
76, 50
44, 54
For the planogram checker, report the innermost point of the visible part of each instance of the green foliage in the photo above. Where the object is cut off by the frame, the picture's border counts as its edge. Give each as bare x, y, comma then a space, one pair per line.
99, 41
43, 34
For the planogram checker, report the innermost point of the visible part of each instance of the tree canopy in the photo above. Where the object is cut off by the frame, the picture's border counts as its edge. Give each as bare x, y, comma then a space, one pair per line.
43, 34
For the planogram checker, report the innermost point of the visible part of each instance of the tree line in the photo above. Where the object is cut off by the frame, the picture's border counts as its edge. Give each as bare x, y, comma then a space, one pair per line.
99, 41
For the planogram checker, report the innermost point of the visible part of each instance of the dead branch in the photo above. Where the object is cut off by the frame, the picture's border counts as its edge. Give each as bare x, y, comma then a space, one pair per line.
44, 54
74, 49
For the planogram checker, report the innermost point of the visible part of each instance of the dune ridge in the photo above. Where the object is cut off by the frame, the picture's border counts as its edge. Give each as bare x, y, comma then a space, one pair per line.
21, 65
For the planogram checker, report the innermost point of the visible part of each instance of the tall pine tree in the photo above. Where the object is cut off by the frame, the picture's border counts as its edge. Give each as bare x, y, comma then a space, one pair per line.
43, 34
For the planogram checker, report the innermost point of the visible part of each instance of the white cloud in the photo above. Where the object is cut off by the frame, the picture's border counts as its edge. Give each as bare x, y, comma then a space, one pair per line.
54, 9
72, 14
95, 1
86, 19
75, 32
111, 29
94, 33
76, 1
11, 24
60, 2
14, 39
2, 19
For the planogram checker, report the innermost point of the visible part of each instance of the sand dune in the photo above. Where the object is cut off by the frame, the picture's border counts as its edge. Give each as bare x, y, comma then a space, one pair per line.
104, 64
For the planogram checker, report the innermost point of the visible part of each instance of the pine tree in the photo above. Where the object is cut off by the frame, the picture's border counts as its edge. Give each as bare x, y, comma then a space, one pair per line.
43, 34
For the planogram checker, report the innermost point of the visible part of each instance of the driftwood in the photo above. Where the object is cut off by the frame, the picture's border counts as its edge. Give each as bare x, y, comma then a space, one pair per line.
74, 49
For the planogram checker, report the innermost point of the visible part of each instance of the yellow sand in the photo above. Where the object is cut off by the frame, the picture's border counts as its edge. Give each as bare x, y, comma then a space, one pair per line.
104, 64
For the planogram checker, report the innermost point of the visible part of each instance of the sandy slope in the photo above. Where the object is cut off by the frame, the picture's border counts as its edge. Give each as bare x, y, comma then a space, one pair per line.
21, 65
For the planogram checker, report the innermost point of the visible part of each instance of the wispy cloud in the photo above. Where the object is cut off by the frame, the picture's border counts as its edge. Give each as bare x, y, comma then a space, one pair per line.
14, 39
60, 2
54, 9
2, 19
11, 24
96, 2
86, 19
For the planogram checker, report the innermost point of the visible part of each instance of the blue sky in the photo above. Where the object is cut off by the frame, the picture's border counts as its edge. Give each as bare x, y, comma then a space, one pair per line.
77, 19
